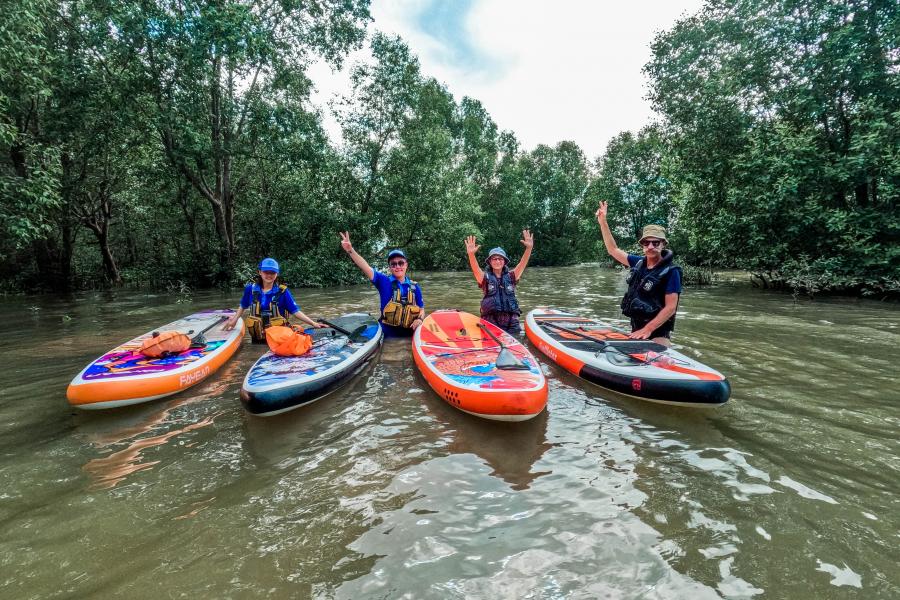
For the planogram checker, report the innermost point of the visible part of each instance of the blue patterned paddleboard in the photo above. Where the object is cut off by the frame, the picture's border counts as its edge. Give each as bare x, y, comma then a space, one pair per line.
275, 384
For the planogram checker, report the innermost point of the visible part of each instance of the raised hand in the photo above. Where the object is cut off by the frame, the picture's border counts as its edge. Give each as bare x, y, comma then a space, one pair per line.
345, 241
527, 239
471, 245
601, 211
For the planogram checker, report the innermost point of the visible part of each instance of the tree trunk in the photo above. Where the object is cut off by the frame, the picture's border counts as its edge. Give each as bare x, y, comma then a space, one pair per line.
109, 263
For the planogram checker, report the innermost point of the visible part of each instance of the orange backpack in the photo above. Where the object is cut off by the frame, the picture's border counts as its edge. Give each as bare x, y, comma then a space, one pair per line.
165, 343
286, 341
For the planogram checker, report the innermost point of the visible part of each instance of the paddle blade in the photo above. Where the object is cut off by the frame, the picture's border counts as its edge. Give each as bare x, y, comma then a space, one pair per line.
508, 361
357, 334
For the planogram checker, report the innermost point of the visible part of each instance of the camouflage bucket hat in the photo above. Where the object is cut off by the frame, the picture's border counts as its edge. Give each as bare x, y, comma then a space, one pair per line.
654, 231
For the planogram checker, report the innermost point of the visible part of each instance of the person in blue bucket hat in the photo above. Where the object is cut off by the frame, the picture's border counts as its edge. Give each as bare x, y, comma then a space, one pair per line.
402, 306
269, 301
499, 304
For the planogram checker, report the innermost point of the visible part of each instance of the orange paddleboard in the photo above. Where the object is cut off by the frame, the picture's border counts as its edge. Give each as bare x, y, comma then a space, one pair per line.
458, 358
124, 376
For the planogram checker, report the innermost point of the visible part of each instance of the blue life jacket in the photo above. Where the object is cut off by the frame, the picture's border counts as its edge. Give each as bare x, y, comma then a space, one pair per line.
646, 294
499, 293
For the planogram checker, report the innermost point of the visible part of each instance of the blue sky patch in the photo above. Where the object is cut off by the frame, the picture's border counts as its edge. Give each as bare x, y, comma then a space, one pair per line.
446, 23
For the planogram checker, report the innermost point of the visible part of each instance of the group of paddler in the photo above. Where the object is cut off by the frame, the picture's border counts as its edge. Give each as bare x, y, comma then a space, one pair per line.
654, 287
471, 362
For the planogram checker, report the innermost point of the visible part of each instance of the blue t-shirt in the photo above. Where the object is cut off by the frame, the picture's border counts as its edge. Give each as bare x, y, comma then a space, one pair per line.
673, 285
385, 286
285, 302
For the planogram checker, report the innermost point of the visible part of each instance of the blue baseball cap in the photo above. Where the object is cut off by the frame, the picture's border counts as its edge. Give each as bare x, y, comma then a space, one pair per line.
269, 264
396, 252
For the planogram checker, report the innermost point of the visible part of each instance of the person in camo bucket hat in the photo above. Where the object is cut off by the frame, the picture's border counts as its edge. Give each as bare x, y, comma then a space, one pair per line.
654, 282
499, 304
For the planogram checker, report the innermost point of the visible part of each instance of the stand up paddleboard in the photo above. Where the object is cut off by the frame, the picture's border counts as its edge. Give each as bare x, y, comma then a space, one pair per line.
275, 384
461, 357
124, 376
640, 368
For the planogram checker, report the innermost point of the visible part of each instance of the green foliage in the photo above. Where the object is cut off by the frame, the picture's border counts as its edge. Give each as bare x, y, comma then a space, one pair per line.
782, 123
171, 144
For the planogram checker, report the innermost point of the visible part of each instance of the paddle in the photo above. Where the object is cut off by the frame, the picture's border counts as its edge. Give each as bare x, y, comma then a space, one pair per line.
506, 360
199, 341
605, 345
354, 336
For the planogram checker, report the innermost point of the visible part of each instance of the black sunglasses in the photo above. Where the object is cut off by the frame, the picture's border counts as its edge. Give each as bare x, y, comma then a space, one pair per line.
397, 263
653, 243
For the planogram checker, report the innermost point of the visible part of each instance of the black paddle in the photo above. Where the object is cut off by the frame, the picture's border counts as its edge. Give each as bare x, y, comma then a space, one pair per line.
199, 340
354, 336
605, 345
506, 360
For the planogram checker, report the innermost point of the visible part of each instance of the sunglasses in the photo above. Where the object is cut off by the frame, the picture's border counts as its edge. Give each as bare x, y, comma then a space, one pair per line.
653, 243
397, 263
497, 258
269, 273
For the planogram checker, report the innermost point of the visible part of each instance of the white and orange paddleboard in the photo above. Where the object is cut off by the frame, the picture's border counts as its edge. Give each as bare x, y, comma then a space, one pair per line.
124, 376
458, 357
606, 356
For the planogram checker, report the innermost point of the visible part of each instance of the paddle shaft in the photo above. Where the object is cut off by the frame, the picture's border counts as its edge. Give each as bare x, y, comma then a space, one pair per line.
333, 326
603, 343
493, 337
207, 328
339, 329
573, 332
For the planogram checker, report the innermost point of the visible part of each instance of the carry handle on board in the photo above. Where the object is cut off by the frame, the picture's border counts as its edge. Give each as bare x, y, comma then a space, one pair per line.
506, 360
615, 346
354, 336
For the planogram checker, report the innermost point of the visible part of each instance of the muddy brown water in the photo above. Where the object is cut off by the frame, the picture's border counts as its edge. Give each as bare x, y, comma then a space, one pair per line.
381, 490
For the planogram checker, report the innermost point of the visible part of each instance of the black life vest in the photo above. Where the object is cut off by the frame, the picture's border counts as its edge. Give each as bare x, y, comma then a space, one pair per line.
499, 293
646, 294
260, 319
401, 310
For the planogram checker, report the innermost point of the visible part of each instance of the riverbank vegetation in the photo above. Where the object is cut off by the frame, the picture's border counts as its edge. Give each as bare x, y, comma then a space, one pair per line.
175, 141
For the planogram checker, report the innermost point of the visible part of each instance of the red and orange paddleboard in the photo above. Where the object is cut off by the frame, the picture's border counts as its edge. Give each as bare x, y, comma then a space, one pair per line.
606, 356
458, 354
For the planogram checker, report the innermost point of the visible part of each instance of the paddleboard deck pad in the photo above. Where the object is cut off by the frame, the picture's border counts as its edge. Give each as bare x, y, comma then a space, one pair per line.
124, 376
275, 384
606, 356
459, 361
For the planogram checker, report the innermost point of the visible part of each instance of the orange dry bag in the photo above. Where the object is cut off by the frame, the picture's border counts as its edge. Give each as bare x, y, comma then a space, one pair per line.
285, 341
165, 343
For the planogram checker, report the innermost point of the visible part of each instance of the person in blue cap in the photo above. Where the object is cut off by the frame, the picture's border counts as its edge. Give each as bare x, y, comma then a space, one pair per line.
498, 283
402, 307
269, 302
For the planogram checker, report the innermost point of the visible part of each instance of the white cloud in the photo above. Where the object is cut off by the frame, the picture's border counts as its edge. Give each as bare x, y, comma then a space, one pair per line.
571, 69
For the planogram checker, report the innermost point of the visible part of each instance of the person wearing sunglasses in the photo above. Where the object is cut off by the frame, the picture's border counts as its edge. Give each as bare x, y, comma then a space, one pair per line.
269, 302
654, 282
498, 283
402, 307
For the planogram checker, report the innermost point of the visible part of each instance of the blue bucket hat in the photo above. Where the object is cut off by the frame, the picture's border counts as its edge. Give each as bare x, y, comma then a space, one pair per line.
396, 252
269, 264
498, 251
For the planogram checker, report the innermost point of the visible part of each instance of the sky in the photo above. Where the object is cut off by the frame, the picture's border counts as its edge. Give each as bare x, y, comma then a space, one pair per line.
549, 70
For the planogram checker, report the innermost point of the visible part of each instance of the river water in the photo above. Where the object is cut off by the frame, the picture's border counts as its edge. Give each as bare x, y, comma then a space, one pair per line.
381, 490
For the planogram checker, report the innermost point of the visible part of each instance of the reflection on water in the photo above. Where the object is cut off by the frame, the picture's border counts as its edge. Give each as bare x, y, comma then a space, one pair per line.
382, 490
509, 449
110, 470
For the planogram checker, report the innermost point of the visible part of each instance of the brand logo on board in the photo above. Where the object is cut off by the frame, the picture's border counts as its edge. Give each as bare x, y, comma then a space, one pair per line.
192, 378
